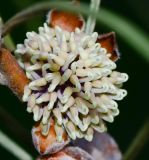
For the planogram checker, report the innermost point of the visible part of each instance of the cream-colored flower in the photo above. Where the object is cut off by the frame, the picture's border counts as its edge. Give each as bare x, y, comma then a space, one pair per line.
72, 81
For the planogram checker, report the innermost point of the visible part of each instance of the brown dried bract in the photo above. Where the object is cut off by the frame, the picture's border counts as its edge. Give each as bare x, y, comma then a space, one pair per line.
13, 73
65, 20
48, 144
69, 153
108, 41
57, 156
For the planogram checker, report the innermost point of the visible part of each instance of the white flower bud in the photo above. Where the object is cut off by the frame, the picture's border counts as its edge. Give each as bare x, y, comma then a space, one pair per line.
38, 83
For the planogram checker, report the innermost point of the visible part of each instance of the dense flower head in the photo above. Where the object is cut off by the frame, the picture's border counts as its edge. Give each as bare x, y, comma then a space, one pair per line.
72, 81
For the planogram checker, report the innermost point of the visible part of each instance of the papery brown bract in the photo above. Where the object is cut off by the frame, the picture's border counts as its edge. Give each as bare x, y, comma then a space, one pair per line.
65, 20
108, 41
57, 156
48, 144
69, 153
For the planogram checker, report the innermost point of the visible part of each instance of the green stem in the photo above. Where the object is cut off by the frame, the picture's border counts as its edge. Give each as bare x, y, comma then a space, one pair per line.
139, 142
7, 40
14, 148
91, 22
1, 31
20, 133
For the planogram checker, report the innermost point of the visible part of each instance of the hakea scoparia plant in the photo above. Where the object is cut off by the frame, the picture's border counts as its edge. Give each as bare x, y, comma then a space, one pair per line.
70, 83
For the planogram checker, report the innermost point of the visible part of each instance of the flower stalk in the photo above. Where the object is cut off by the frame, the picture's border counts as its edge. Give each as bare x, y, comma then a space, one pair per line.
7, 41
91, 22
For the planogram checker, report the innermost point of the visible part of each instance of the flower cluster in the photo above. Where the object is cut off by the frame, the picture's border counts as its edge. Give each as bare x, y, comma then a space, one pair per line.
71, 81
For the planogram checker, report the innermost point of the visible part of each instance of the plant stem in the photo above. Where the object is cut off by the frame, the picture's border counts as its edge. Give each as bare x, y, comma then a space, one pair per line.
91, 22
8, 42
138, 143
1, 31
7, 39
14, 148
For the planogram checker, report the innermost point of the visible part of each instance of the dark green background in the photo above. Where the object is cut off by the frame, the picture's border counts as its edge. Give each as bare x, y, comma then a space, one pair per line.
134, 108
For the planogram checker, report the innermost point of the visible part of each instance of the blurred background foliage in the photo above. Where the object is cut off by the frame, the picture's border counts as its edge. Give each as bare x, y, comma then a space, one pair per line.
133, 109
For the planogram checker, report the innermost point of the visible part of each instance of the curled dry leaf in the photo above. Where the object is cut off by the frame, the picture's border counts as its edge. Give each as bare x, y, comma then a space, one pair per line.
108, 41
13, 73
47, 144
103, 147
69, 153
